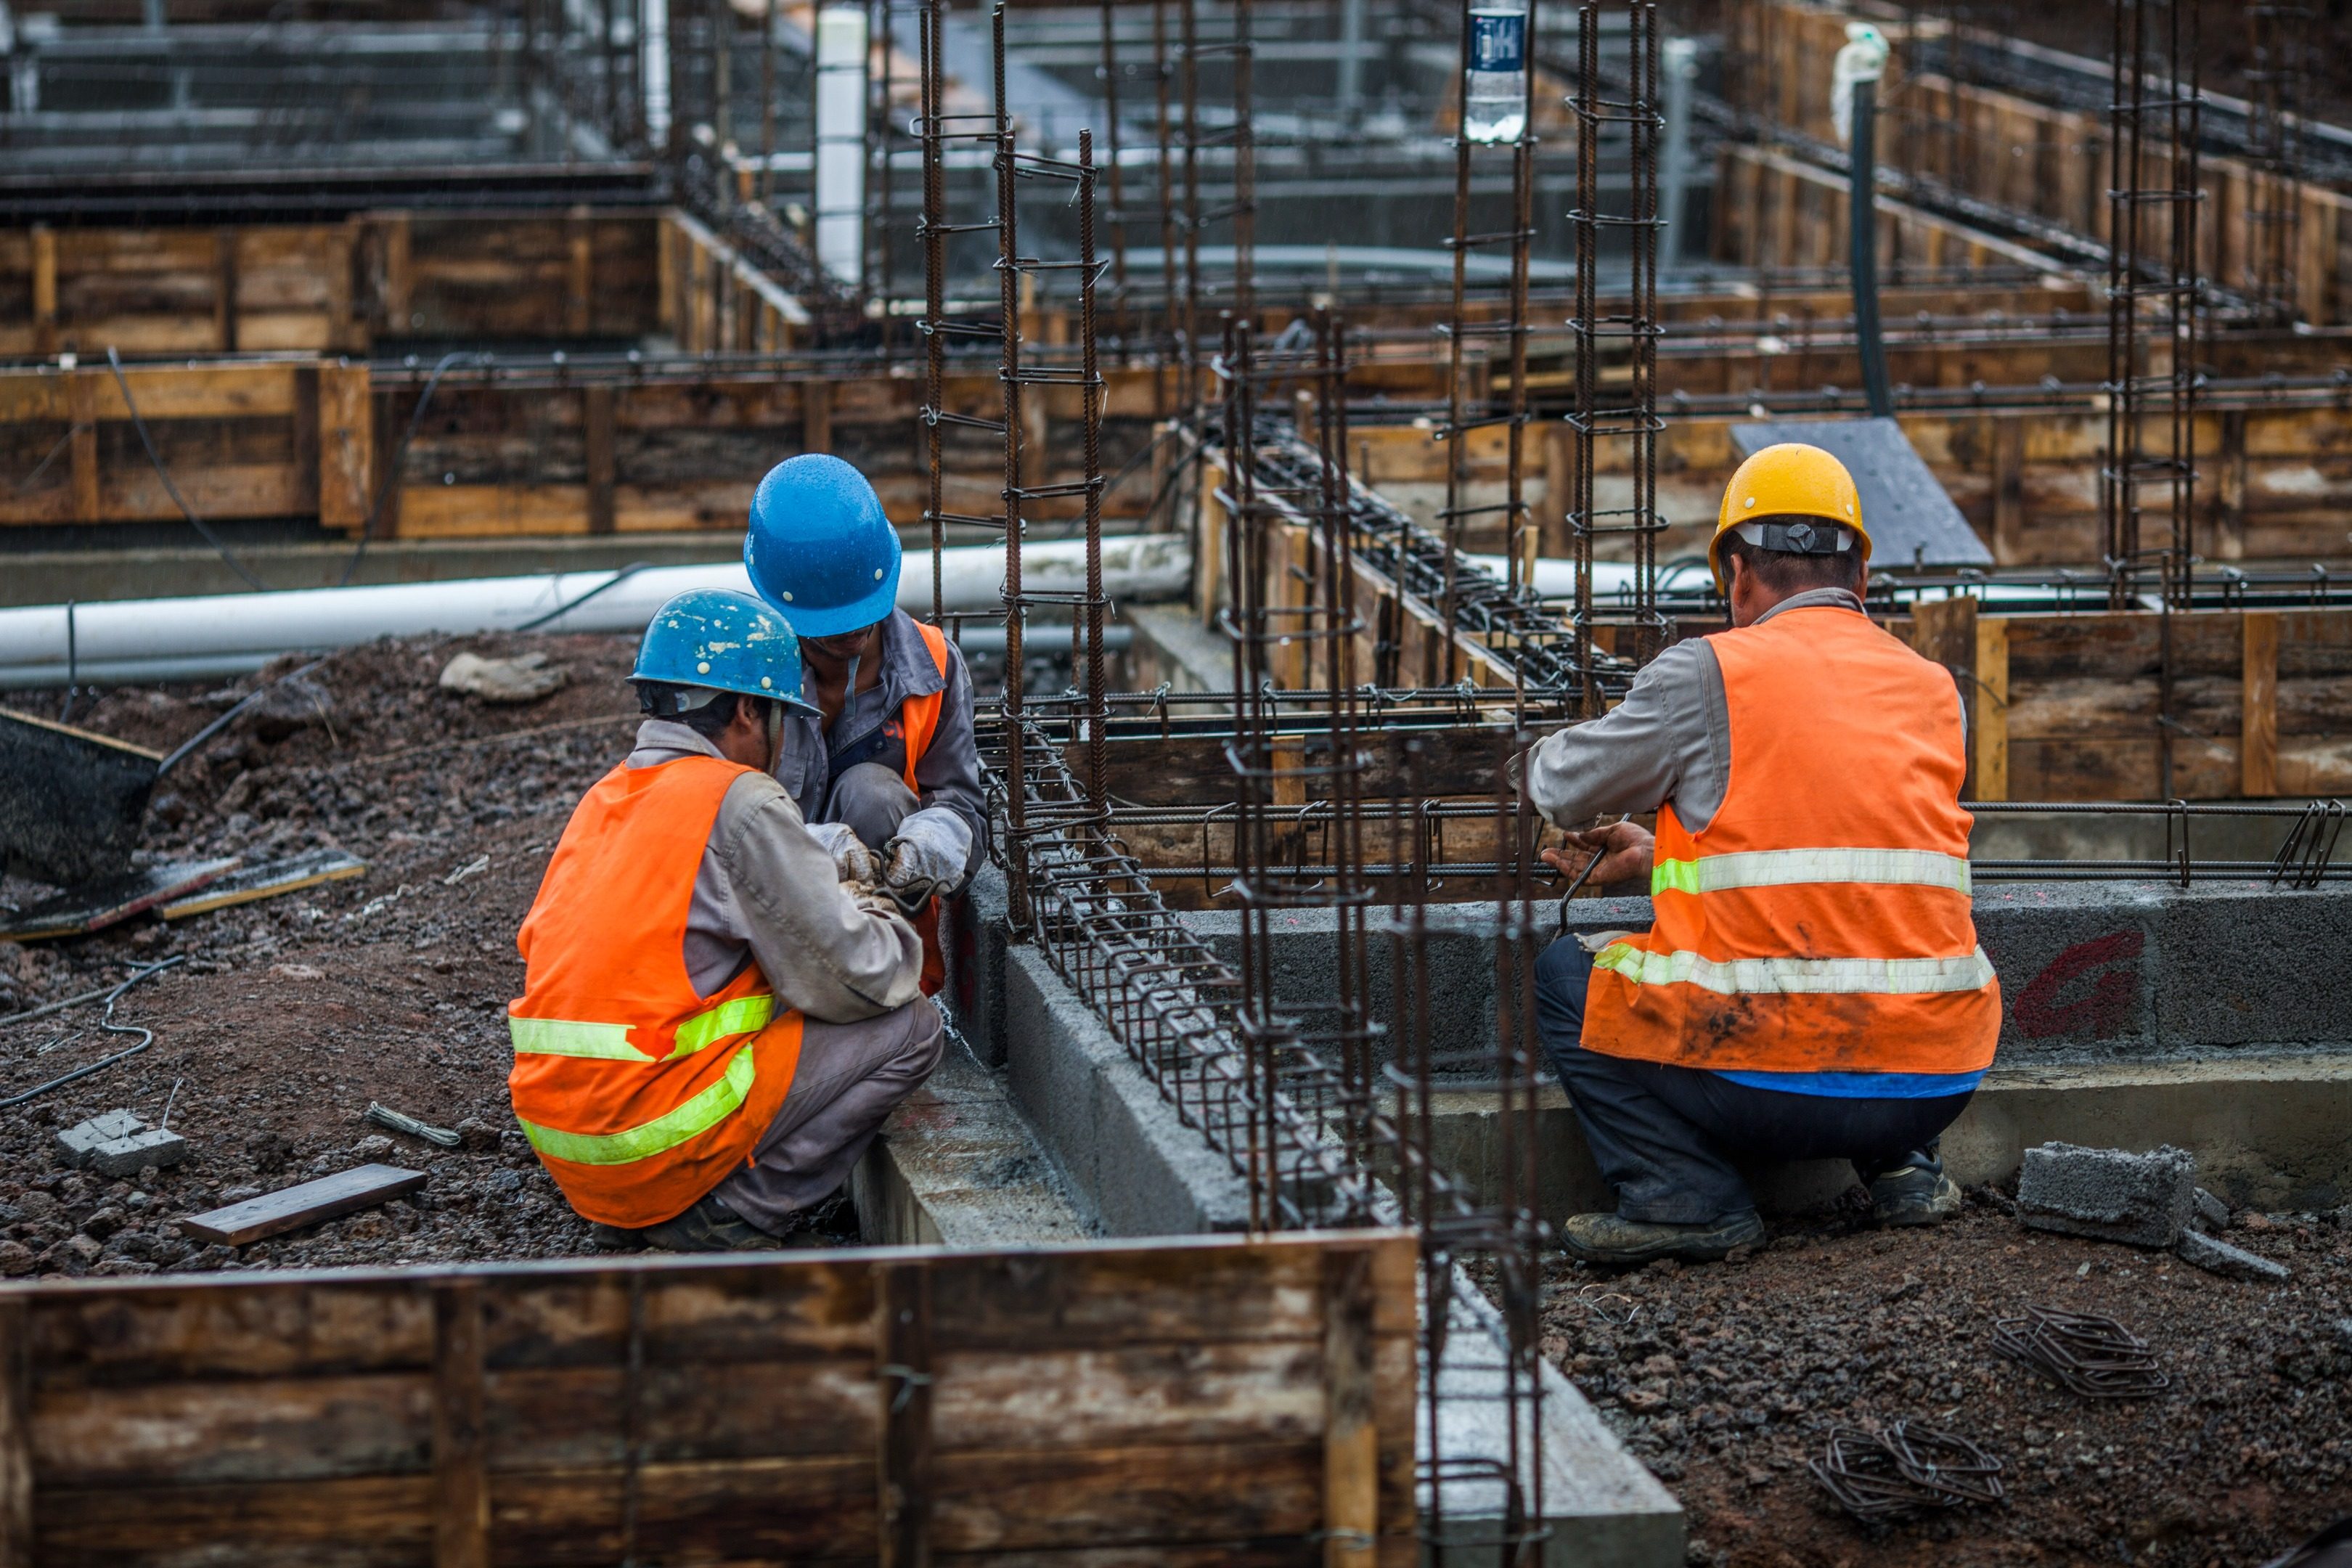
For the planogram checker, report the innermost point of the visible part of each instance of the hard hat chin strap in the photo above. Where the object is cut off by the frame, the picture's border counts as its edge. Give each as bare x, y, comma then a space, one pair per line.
1800, 537
668, 702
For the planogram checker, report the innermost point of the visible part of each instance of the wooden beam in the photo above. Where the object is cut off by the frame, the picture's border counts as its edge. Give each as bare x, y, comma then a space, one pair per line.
399, 275
902, 1345
225, 288
2258, 733
461, 1489
84, 454
15, 1435
44, 290
346, 446
1991, 711
596, 428
817, 414
578, 306
1351, 1438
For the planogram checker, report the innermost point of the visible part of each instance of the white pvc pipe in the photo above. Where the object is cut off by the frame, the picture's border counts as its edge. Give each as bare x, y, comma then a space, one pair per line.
137, 641
841, 141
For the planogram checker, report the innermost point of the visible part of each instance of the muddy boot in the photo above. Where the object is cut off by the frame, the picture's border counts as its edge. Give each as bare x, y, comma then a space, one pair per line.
614, 1238
1914, 1194
1613, 1239
709, 1227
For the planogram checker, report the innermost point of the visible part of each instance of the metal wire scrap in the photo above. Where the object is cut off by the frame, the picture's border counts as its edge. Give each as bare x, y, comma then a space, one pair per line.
2095, 1357
1906, 1467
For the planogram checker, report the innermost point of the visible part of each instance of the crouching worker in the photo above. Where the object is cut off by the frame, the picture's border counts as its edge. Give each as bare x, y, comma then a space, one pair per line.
712, 1027
881, 758
1811, 987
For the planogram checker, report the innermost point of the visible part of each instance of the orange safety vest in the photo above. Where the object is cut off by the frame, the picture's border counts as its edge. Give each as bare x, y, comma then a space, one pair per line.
919, 718
1820, 922
639, 1095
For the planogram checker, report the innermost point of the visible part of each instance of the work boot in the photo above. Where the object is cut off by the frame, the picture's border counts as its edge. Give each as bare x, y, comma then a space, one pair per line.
614, 1238
1613, 1239
709, 1227
1914, 1194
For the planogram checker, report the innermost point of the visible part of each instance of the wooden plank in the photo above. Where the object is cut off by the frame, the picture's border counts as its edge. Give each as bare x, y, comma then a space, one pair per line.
461, 1492
1351, 1439
83, 389
274, 1213
346, 446
596, 424
225, 288
1991, 727
44, 290
903, 1473
1945, 630
232, 1430
817, 414
579, 311
2258, 730
399, 275
15, 1435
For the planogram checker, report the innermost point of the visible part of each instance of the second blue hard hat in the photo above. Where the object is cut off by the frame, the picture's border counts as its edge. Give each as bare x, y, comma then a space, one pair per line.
723, 641
820, 548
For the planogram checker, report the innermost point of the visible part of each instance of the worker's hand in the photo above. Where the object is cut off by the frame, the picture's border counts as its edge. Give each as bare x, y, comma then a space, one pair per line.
851, 861
1626, 851
926, 857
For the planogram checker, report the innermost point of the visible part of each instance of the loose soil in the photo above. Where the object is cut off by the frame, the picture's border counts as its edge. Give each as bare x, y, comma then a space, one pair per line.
1726, 1378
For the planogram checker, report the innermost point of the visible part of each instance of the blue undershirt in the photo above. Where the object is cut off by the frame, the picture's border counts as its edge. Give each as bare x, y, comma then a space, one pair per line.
1862, 1085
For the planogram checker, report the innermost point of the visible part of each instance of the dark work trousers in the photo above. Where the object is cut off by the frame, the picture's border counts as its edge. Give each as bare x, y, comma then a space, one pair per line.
1665, 1137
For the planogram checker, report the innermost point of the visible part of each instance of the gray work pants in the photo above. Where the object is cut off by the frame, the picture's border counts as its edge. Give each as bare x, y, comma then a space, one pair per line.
850, 1077
872, 800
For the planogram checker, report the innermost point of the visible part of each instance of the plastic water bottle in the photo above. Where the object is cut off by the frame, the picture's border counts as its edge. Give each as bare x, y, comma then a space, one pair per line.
1494, 107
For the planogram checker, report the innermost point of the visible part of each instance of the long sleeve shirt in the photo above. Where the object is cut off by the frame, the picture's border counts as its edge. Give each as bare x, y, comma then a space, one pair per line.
766, 892
947, 774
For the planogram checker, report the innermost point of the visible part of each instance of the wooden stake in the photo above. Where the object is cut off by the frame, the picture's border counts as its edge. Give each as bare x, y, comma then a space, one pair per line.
15, 1435
1351, 1439
902, 1346
2258, 732
1992, 708
461, 1491
44, 290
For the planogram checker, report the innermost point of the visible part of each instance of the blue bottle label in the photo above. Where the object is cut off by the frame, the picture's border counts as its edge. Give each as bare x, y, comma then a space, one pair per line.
1498, 40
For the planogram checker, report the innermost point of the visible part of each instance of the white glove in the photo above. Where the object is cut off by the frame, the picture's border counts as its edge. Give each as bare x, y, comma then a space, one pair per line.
851, 861
928, 854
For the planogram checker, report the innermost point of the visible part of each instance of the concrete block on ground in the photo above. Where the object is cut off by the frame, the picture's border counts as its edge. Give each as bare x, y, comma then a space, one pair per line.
2213, 1214
2218, 1256
127, 1156
1127, 1161
955, 1167
2110, 1194
75, 1144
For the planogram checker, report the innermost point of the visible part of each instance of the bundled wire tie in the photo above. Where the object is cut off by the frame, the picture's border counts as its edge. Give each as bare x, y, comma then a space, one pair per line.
2083, 1352
1905, 1468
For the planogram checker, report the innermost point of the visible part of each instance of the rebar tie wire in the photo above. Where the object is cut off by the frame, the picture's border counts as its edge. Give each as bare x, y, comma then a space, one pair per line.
105, 1022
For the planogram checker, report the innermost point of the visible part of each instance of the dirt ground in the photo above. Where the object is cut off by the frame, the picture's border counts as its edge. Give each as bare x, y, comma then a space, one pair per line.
291, 1014
1726, 1378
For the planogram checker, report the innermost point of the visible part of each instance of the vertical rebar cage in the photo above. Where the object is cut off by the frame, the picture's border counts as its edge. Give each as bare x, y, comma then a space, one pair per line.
1617, 423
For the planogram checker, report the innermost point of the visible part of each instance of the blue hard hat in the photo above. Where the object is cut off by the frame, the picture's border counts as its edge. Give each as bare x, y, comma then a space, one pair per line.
820, 548
724, 641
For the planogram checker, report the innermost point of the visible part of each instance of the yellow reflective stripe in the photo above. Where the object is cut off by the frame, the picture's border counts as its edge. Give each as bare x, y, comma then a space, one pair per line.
1798, 976
698, 1115
1787, 867
737, 1017
568, 1037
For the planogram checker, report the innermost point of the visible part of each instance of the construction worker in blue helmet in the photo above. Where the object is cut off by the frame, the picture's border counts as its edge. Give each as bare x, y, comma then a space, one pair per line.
881, 759
712, 1027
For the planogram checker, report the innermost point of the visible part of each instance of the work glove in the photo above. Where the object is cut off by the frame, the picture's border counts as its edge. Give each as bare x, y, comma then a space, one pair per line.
851, 861
926, 857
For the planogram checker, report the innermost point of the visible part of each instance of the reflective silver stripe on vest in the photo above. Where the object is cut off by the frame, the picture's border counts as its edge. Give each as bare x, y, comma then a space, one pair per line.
1798, 976
1791, 868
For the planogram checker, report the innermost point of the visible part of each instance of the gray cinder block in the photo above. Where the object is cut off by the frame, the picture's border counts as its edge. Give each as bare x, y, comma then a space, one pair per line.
76, 1144
2235, 1262
2212, 1211
127, 1156
2143, 1200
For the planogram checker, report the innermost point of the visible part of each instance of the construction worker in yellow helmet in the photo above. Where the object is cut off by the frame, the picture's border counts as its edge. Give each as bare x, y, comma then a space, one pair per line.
1811, 986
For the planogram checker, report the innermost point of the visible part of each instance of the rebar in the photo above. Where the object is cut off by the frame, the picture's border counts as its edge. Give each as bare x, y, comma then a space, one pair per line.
2275, 82
1622, 426
2083, 1352
1908, 1467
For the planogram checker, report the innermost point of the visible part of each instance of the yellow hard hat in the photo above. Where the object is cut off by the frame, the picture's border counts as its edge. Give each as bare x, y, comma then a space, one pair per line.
1791, 479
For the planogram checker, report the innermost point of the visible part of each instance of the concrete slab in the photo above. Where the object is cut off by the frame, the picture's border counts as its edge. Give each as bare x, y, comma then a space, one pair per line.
2267, 1132
1172, 645
956, 1166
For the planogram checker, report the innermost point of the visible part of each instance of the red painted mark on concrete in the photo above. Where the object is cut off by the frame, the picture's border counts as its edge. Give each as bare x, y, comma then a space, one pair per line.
2054, 1005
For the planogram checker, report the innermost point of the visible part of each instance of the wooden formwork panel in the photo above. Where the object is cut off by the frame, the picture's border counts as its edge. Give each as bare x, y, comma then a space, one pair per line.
2074, 707
1773, 210
1210, 1400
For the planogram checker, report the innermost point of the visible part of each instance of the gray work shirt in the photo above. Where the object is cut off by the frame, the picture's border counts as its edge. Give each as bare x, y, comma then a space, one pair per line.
948, 772
1669, 741
767, 891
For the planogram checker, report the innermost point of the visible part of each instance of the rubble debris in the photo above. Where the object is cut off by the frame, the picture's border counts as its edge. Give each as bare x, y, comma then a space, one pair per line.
291, 1208
71, 802
86, 910
2212, 1211
384, 1116
270, 879
526, 677
74, 1144
2108, 1195
290, 704
2083, 1352
1906, 1468
2218, 1256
